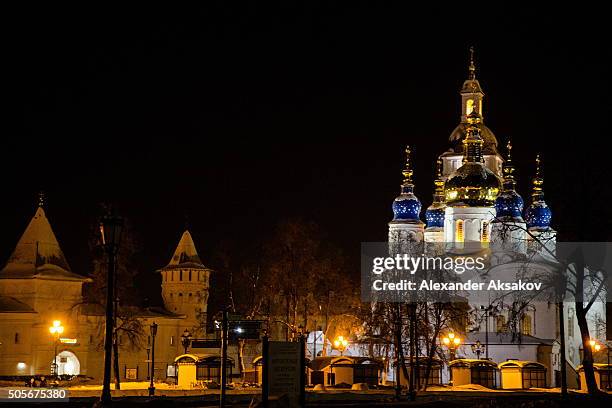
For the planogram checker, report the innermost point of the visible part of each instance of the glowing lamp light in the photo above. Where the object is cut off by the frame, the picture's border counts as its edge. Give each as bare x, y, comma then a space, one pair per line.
592, 343
451, 340
56, 328
239, 330
340, 342
21, 365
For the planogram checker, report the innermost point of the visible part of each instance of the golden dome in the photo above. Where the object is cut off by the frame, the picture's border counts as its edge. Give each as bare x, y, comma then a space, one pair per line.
472, 185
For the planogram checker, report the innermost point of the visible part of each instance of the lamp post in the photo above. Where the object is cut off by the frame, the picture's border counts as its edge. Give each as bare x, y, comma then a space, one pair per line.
478, 349
341, 344
594, 345
186, 340
56, 329
148, 362
153, 334
110, 231
452, 342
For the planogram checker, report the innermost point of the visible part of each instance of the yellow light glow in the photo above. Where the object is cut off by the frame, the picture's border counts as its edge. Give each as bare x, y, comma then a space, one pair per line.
597, 347
592, 343
456, 340
459, 237
469, 106
446, 341
57, 327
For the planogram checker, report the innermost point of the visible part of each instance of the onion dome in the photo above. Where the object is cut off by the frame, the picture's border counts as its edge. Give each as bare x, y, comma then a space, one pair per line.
538, 214
509, 204
472, 184
407, 207
435, 212
460, 132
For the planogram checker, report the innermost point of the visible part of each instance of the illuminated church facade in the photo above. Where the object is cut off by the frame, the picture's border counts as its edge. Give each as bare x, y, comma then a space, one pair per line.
475, 201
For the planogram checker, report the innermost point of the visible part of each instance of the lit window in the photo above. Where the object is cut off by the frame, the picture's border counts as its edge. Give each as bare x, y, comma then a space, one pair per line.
484, 234
526, 325
459, 231
500, 323
172, 340
469, 105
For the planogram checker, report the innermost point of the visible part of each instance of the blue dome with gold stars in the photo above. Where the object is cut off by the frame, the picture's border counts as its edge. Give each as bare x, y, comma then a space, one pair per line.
509, 204
406, 206
538, 215
435, 215
435, 212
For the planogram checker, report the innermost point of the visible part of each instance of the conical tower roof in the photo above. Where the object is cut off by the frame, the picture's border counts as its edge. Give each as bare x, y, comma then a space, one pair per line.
38, 254
185, 255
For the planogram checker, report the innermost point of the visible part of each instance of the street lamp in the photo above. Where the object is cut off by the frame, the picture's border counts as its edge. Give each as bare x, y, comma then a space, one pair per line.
153, 334
452, 342
594, 345
111, 227
340, 344
186, 340
56, 329
478, 348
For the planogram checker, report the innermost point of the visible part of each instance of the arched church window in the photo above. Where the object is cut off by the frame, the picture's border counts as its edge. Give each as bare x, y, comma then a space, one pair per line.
469, 106
190, 276
181, 275
459, 233
526, 325
500, 323
484, 233
16, 338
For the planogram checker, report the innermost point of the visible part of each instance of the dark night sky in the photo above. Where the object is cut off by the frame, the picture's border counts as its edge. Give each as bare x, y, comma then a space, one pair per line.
240, 116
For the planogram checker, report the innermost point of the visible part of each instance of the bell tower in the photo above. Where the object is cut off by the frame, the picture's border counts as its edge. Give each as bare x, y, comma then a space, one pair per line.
185, 283
471, 92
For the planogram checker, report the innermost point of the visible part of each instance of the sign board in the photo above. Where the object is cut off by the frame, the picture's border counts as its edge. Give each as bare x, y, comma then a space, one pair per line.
284, 370
65, 340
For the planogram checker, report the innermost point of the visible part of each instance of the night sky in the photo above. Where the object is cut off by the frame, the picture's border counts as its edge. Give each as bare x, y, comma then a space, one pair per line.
240, 116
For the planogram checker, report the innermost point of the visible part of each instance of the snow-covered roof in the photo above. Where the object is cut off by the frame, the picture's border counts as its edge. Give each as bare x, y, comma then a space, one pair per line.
520, 363
38, 254
185, 255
